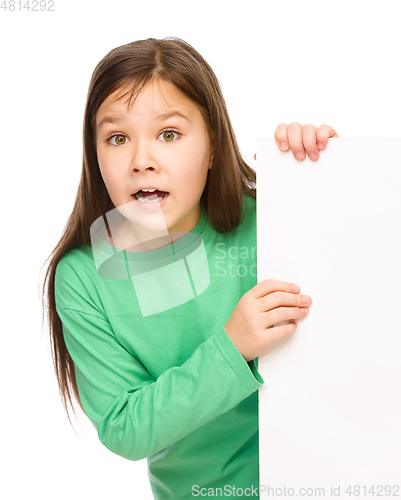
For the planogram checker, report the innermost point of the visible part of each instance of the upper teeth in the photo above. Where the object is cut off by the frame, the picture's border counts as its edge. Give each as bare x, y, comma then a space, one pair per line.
139, 197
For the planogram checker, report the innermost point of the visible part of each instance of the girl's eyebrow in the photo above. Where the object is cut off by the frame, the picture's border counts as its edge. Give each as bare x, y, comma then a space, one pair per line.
160, 117
110, 119
171, 114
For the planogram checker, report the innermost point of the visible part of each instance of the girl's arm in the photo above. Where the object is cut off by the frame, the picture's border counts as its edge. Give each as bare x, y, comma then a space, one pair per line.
135, 415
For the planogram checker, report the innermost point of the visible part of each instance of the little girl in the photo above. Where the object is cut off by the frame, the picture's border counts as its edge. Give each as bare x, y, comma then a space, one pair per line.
156, 317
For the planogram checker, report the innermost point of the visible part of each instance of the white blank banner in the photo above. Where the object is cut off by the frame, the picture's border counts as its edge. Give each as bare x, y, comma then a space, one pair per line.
330, 407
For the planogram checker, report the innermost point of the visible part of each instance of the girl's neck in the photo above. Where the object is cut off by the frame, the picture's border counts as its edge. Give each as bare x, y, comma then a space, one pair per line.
133, 238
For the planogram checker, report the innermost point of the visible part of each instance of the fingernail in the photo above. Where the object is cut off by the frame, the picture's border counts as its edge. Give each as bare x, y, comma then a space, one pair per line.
295, 288
313, 156
320, 145
299, 155
283, 145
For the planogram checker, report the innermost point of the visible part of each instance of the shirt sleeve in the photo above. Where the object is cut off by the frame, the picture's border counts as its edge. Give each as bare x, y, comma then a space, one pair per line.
136, 416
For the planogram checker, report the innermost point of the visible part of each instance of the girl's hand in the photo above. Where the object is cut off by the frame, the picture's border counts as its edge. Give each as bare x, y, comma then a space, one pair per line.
300, 138
251, 325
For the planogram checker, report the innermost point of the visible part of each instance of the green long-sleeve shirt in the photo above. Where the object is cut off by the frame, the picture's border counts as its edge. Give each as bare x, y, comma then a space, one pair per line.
157, 374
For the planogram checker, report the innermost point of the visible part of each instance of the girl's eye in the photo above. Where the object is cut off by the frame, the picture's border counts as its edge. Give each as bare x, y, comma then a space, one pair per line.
120, 139
168, 135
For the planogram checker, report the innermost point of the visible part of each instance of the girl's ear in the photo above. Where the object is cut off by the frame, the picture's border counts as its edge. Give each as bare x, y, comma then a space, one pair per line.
211, 155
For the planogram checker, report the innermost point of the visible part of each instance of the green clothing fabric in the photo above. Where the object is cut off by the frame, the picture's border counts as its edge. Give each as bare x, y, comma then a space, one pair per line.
157, 374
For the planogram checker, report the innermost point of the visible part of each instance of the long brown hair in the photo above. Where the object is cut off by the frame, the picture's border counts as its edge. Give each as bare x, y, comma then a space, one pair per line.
136, 63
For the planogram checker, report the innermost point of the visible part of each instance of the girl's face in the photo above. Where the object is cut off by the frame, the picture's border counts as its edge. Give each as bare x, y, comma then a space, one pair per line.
160, 142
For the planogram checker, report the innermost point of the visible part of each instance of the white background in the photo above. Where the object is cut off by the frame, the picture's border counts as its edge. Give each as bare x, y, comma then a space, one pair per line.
306, 61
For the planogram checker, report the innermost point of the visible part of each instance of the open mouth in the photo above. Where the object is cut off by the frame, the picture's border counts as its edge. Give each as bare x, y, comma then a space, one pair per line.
150, 196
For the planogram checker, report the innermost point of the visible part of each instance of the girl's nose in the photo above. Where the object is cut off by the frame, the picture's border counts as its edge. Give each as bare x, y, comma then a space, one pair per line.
142, 157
